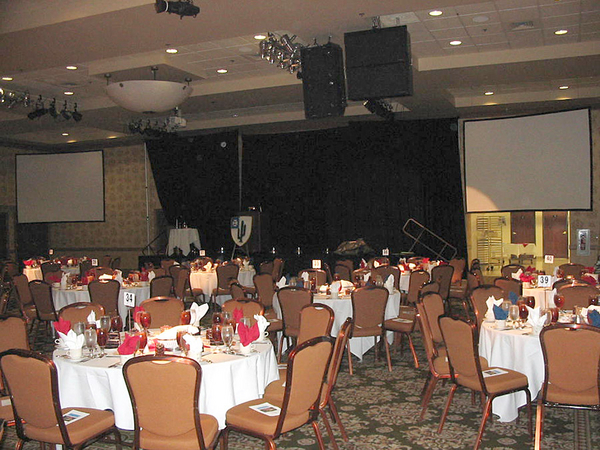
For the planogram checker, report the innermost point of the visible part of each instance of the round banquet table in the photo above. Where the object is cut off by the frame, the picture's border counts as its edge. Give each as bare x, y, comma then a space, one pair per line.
517, 350
33, 273
207, 281
342, 308
228, 381
182, 238
64, 297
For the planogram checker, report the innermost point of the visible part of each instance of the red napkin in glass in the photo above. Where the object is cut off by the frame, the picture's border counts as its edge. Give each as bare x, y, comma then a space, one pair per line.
526, 278
84, 281
152, 345
54, 279
144, 276
136, 310
129, 345
238, 313
589, 269
248, 335
29, 262
425, 260
62, 326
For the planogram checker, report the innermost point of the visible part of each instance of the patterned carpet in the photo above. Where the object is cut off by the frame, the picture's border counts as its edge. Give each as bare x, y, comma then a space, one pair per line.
380, 410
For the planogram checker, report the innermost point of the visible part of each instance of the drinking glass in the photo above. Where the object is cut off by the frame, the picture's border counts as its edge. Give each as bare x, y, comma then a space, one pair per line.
181, 341
116, 323
216, 332
513, 313
79, 328
145, 319
90, 340
143, 340
227, 318
105, 323
523, 312
559, 301
227, 336
217, 318
101, 340
185, 318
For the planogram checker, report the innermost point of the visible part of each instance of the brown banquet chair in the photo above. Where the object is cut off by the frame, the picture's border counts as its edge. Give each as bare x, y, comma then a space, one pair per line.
509, 285
32, 382
305, 375
161, 286
182, 286
577, 295
291, 301
442, 275
507, 270
164, 391
384, 271
478, 299
572, 371
403, 325
48, 267
105, 293
249, 308
319, 275
466, 371
316, 319
433, 304
79, 312
572, 270
164, 311
226, 273
41, 292
26, 304
416, 281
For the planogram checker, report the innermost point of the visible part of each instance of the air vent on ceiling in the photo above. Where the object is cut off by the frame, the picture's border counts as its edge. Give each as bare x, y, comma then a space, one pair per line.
520, 26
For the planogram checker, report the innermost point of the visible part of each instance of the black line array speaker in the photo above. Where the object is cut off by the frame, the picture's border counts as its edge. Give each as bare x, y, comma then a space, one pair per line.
378, 63
323, 81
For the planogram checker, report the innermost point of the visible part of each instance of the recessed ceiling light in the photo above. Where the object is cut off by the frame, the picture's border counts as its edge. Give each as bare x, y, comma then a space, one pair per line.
560, 32
480, 19
172, 51
221, 70
455, 42
71, 67
563, 87
65, 134
489, 93
70, 141
68, 93
260, 37
235, 115
435, 13
7, 78
112, 137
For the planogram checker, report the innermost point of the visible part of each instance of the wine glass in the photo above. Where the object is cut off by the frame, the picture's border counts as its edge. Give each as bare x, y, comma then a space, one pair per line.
90, 340
116, 323
217, 318
227, 336
101, 340
227, 318
143, 340
105, 323
559, 301
186, 317
145, 319
523, 312
513, 313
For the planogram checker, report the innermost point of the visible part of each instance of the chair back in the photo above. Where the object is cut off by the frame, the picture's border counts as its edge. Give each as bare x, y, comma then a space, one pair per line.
571, 380
105, 293
9, 270
164, 311
32, 381
385, 271
479, 297
577, 295
278, 264
509, 285
266, 267
343, 271
291, 301
249, 307
237, 291
368, 306
161, 286
21, 284
181, 281
85, 266
49, 267
101, 270
509, 269
13, 333
306, 368
316, 320
226, 273
165, 264
442, 275
265, 289
79, 312
433, 304
432, 286
115, 263
462, 351
416, 281
459, 269
337, 355
41, 292
173, 383
427, 338
472, 282
160, 272
318, 274
105, 261
572, 270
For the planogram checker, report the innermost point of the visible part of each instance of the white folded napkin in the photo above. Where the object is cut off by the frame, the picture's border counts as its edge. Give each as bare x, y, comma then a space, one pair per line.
91, 318
346, 284
72, 340
389, 283
171, 333
517, 275
196, 345
208, 266
281, 283
197, 312
151, 275
335, 288
263, 324
118, 275
376, 264
535, 318
366, 276
490, 302
584, 311
305, 276
63, 281
105, 277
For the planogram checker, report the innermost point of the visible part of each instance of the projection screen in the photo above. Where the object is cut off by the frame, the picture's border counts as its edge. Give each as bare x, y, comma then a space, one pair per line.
541, 162
60, 187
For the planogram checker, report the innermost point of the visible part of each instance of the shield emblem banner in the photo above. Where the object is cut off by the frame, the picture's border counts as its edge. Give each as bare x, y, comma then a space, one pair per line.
241, 229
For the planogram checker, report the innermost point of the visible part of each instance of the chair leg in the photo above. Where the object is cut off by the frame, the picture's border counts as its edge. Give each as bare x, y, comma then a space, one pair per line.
328, 428
412, 350
224, 439
430, 385
315, 426
539, 424
336, 416
279, 349
528, 395
349, 358
387, 354
486, 414
447, 408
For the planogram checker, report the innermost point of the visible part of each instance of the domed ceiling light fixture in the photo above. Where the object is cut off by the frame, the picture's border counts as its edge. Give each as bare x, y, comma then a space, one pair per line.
148, 96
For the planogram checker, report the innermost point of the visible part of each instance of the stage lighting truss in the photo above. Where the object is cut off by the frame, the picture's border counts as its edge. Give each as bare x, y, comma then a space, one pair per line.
15, 99
281, 51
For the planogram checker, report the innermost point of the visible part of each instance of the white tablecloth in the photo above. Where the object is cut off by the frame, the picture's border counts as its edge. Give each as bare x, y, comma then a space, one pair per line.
33, 273
207, 281
517, 351
342, 308
64, 297
404, 280
182, 238
229, 381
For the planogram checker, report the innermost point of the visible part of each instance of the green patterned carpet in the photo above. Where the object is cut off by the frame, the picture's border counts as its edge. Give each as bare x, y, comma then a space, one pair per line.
381, 409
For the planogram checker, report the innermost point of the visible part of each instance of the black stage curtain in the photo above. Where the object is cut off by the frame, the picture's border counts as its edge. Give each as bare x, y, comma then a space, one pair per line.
197, 183
319, 188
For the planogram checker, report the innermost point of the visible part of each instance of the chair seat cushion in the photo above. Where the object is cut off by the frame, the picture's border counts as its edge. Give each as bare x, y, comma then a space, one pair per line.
497, 384
245, 418
400, 327
6, 412
80, 431
276, 325
366, 331
587, 397
197, 291
185, 441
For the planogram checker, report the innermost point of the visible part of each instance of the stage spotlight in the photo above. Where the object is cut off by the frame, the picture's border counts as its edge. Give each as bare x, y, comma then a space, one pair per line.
39, 111
52, 109
76, 114
181, 8
64, 113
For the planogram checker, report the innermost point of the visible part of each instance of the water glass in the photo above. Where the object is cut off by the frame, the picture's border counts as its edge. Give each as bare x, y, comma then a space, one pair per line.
90, 340
79, 328
227, 336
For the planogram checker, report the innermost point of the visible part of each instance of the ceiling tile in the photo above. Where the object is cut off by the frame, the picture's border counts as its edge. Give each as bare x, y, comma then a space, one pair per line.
442, 23
446, 12
590, 5
520, 15
486, 39
482, 30
557, 22
560, 9
475, 8
493, 47
514, 4
520, 39
450, 34
475, 19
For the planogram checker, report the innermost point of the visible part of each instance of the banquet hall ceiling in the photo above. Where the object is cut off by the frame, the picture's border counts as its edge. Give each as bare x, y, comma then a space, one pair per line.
509, 47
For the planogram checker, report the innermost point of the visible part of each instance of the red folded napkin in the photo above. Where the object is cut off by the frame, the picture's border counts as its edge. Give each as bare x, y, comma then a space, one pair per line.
248, 335
129, 345
238, 313
29, 262
62, 326
136, 316
589, 269
526, 278
425, 261
144, 276
589, 279
54, 279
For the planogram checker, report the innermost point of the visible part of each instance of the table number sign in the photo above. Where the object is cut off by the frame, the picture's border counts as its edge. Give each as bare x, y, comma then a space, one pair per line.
51, 252
316, 263
385, 252
544, 281
549, 259
94, 262
129, 299
202, 252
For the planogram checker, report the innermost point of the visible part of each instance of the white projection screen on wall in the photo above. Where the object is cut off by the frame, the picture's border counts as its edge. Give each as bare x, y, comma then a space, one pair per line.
60, 187
540, 163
